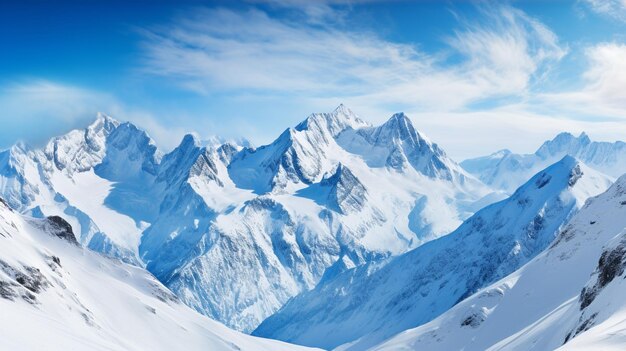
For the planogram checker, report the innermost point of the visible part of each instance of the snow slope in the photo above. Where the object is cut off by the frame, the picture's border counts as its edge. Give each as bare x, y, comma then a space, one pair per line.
55, 295
367, 304
506, 171
570, 296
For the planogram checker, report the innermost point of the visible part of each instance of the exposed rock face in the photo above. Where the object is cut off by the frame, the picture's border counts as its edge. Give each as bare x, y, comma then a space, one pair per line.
346, 193
59, 227
611, 265
21, 282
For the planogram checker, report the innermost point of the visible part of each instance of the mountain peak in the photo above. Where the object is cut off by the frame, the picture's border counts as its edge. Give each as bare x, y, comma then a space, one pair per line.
335, 122
563, 143
20, 147
401, 126
584, 137
399, 116
189, 140
105, 121
343, 109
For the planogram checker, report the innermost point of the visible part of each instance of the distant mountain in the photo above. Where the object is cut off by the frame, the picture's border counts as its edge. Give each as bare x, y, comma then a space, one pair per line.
366, 304
505, 170
570, 297
266, 223
55, 295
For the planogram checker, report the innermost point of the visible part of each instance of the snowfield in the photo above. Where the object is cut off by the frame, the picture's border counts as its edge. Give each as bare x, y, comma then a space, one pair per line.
55, 295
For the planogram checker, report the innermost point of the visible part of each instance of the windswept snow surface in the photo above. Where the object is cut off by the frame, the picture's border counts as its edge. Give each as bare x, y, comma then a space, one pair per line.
266, 223
570, 297
369, 303
506, 171
55, 295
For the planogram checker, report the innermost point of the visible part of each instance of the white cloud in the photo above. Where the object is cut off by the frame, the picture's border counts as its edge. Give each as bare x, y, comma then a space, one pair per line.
611, 8
219, 50
40, 99
36, 110
506, 50
602, 94
468, 134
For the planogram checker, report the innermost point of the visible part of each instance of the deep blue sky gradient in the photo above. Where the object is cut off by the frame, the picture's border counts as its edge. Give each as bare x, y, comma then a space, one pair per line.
97, 45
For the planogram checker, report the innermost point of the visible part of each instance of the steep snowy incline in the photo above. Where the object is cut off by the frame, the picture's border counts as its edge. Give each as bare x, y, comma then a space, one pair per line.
298, 157
397, 144
370, 303
55, 295
506, 171
572, 292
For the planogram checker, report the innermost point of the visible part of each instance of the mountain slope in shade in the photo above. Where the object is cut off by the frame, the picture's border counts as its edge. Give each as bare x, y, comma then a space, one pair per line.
506, 171
569, 297
367, 304
55, 295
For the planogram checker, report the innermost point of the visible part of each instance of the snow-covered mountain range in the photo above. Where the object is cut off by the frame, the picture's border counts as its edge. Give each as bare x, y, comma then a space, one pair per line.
268, 223
56, 295
369, 303
338, 234
569, 297
506, 171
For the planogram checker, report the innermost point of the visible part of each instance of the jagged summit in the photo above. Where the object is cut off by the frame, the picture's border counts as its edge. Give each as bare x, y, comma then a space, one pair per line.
130, 154
190, 140
407, 147
564, 142
334, 123
398, 128
103, 117
508, 171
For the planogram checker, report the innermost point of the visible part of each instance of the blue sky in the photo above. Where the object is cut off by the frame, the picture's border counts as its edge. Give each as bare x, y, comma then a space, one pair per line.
474, 76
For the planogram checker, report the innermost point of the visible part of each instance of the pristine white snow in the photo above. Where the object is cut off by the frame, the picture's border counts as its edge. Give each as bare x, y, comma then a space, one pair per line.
543, 304
55, 295
367, 304
506, 171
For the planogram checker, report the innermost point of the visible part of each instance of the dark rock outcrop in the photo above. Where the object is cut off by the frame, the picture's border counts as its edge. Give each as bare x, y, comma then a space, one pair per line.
59, 227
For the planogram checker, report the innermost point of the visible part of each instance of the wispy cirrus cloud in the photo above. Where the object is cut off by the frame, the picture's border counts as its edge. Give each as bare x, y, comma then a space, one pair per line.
221, 50
612, 8
601, 95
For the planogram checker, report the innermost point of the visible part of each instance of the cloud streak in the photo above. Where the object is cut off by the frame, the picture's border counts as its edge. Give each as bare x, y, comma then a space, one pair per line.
218, 50
611, 8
